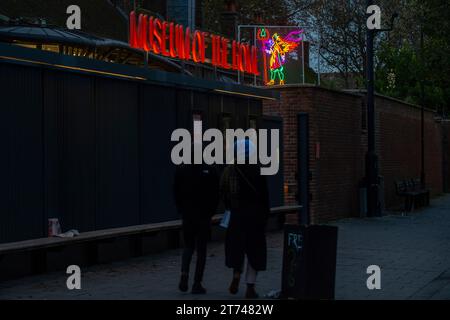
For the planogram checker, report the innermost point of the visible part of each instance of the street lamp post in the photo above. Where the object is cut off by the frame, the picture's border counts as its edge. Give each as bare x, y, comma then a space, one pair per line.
422, 102
372, 179
373, 207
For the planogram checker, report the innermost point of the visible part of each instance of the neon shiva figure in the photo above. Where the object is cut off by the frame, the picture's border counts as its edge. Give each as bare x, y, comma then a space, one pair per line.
277, 47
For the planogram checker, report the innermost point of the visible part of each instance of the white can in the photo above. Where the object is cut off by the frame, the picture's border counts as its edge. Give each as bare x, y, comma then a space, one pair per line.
54, 228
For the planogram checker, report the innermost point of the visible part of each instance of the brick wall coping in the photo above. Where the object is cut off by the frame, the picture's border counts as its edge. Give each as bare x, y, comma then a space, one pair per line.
312, 86
379, 95
352, 92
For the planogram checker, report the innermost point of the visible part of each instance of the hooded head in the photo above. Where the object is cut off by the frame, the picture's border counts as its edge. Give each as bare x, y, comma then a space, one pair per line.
244, 148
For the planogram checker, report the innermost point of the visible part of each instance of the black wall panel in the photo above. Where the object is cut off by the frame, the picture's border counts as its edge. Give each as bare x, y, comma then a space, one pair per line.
201, 106
5, 151
275, 182
184, 105
229, 107
78, 172
254, 111
214, 111
241, 113
158, 121
117, 155
21, 177
53, 85
70, 117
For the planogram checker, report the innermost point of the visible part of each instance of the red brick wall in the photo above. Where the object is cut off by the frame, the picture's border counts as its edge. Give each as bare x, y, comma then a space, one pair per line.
340, 165
336, 130
291, 102
399, 146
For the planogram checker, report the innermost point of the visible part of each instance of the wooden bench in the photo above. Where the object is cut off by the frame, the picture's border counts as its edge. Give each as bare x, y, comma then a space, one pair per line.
415, 196
39, 247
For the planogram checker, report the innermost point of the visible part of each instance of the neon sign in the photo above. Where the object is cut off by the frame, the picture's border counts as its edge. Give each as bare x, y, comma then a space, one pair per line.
277, 47
161, 37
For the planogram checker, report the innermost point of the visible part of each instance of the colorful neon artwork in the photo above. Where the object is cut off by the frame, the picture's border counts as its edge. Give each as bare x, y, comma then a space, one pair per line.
276, 47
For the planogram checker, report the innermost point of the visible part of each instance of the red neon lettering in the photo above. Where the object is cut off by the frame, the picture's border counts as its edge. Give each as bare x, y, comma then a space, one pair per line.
187, 44
161, 37
254, 60
164, 37
151, 28
142, 35
132, 38
248, 65
157, 34
183, 42
216, 51
196, 46
172, 40
234, 57
241, 57
224, 54
179, 41
213, 50
203, 55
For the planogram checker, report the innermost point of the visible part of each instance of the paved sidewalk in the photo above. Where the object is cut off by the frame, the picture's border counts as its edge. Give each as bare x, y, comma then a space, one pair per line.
412, 251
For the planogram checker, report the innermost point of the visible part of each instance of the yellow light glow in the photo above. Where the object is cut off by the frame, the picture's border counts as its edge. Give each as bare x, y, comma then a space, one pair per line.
244, 94
75, 68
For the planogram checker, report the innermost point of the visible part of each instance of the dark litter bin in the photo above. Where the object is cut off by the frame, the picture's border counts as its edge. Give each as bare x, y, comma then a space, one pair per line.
309, 262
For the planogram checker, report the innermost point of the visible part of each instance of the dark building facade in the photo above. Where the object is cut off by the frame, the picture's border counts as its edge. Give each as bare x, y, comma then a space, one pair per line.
89, 142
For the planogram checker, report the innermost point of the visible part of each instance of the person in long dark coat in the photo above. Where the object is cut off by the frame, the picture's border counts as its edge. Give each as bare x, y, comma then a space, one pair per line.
245, 194
196, 191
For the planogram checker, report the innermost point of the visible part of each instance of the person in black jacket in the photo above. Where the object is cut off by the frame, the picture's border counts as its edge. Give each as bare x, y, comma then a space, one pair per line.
245, 194
196, 191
